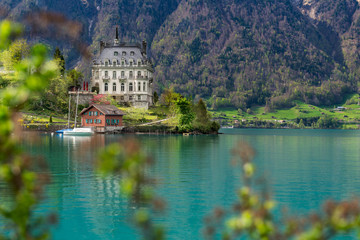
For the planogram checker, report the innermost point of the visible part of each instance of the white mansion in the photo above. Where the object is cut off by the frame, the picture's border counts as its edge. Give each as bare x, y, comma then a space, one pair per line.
124, 72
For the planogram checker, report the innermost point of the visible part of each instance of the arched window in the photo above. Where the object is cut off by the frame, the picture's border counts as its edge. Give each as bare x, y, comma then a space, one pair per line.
122, 87
139, 86
132, 53
130, 87
144, 86
131, 74
114, 87
114, 74
123, 53
106, 63
131, 62
139, 62
116, 53
114, 63
123, 63
106, 87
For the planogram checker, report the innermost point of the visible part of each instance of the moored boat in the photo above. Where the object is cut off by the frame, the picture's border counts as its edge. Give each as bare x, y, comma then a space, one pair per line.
79, 132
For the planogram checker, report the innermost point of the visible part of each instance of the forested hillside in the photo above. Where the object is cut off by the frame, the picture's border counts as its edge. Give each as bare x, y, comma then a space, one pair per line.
231, 52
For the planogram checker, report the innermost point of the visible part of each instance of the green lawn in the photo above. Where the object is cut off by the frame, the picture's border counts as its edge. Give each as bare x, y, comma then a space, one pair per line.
301, 110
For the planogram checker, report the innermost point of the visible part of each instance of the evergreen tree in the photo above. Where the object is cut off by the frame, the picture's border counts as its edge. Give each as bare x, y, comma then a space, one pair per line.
156, 97
60, 58
202, 115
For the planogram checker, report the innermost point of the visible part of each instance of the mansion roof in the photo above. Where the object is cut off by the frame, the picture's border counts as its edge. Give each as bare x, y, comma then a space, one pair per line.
120, 53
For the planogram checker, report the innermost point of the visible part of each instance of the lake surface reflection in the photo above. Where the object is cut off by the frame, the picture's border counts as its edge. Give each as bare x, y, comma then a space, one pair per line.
302, 169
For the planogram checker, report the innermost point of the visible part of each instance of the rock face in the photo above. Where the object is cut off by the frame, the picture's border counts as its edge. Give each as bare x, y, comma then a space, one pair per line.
232, 52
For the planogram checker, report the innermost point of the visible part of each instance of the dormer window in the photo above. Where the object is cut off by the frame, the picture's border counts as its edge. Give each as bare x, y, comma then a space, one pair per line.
116, 53
139, 62
114, 63
123, 63
106, 63
132, 53
123, 53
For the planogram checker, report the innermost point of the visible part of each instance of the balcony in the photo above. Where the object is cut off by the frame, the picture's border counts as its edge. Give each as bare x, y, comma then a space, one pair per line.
106, 78
139, 77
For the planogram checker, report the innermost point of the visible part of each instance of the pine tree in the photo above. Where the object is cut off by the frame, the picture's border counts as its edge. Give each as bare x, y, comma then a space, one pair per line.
58, 56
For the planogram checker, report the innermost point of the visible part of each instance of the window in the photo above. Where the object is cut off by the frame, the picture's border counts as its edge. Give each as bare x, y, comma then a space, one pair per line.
130, 98
106, 74
107, 121
90, 113
106, 63
97, 75
139, 86
117, 122
139, 62
139, 73
114, 63
131, 74
132, 53
123, 53
144, 86
122, 87
116, 53
139, 97
131, 62
123, 63
99, 120
122, 74
114, 87
90, 120
87, 121
114, 74
122, 98
130, 87
106, 87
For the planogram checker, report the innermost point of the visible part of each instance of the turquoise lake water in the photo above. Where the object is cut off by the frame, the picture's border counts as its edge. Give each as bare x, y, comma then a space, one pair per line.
302, 168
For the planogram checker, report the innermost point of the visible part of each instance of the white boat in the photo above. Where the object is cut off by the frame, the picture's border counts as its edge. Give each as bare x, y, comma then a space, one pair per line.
79, 132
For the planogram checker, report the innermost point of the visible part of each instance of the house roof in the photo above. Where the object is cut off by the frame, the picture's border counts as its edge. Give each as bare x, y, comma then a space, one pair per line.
106, 109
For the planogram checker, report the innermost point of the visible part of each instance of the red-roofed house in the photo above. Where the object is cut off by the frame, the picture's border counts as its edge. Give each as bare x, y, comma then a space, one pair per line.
102, 117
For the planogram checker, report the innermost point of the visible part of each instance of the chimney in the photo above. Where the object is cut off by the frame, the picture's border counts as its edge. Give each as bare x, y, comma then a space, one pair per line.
102, 46
144, 46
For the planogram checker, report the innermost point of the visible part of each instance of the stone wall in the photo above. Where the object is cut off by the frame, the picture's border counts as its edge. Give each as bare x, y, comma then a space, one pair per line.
84, 97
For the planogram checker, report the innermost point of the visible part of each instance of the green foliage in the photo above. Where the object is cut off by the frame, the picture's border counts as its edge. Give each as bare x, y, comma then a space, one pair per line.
16, 168
155, 97
169, 96
202, 121
61, 61
75, 77
327, 122
17, 51
185, 109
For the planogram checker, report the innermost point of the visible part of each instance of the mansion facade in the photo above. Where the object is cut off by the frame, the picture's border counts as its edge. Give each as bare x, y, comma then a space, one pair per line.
124, 72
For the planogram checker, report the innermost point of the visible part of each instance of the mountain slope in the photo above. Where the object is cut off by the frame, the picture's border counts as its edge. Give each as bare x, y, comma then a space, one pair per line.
232, 52
246, 52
